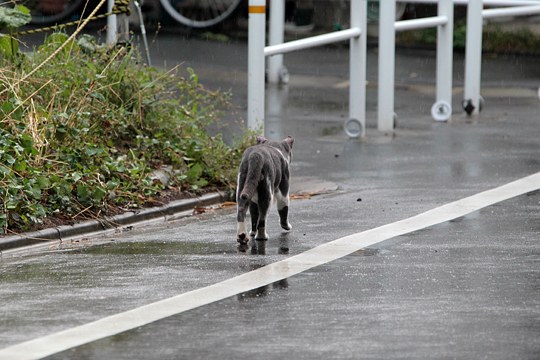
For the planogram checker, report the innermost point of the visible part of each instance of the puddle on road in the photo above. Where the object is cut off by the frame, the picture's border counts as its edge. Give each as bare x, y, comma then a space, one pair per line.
157, 248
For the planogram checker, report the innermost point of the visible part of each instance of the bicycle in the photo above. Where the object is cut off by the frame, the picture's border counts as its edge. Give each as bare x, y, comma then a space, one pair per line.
208, 13
200, 13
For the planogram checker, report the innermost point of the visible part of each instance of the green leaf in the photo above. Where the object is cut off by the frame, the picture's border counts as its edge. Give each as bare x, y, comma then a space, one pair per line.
82, 192
194, 172
99, 193
20, 166
43, 182
98, 96
23, 9
33, 191
93, 151
28, 144
87, 43
9, 159
14, 17
6, 107
201, 183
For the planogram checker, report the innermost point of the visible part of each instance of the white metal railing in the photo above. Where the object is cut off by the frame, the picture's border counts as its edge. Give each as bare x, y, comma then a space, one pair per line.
441, 110
257, 53
444, 21
472, 101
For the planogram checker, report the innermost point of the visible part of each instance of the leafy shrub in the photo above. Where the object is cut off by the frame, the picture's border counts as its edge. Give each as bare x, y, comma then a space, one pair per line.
83, 134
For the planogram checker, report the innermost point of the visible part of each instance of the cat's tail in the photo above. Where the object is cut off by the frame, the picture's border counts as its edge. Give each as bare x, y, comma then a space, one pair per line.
255, 164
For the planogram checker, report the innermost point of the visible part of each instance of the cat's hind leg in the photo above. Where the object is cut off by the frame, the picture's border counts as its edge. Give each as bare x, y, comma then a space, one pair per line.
241, 232
264, 200
254, 212
282, 200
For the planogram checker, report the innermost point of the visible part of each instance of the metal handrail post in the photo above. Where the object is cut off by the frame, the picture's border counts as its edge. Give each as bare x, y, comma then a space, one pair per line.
357, 64
387, 45
111, 34
473, 57
256, 63
276, 36
445, 54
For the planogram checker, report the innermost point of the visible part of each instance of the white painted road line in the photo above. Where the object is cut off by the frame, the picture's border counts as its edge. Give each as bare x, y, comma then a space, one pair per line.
115, 324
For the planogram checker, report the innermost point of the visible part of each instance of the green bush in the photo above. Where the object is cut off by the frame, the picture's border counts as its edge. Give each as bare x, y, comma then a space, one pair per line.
84, 133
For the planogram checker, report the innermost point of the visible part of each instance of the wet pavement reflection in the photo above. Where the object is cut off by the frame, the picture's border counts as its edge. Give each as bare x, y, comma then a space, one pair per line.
263, 290
258, 247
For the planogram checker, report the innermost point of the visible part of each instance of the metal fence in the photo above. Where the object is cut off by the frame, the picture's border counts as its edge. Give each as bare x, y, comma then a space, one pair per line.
257, 53
355, 125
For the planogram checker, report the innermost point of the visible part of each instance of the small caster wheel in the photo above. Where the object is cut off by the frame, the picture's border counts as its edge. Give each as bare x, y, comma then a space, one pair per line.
441, 111
354, 128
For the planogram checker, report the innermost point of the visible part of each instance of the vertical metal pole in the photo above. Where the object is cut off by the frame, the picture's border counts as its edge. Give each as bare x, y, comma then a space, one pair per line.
357, 64
473, 57
111, 35
143, 32
276, 111
445, 52
387, 47
256, 60
277, 26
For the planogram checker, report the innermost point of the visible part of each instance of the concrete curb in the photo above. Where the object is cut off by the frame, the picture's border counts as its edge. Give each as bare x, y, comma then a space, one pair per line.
93, 226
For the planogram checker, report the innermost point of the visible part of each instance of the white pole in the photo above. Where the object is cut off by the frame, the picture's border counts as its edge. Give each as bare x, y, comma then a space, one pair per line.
387, 46
277, 25
473, 57
445, 52
256, 64
357, 65
111, 35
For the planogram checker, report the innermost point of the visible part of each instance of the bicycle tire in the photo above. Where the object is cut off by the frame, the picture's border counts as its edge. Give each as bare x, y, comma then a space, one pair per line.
200, 14
50, 12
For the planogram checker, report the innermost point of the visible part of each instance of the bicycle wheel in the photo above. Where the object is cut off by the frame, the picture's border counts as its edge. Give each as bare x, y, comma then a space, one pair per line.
200, 13
48, 12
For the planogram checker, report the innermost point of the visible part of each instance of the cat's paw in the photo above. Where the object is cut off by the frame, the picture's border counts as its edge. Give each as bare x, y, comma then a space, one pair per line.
242, 239
286, 226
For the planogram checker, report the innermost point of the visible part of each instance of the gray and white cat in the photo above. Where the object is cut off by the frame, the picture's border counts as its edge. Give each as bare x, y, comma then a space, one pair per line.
263, 176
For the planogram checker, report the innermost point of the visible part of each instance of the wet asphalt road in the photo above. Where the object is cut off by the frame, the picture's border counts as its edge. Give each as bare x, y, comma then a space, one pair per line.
446, 292
464, 289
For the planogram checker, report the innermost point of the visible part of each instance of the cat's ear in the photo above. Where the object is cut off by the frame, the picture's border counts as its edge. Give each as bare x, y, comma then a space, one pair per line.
261, 139
289, 140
